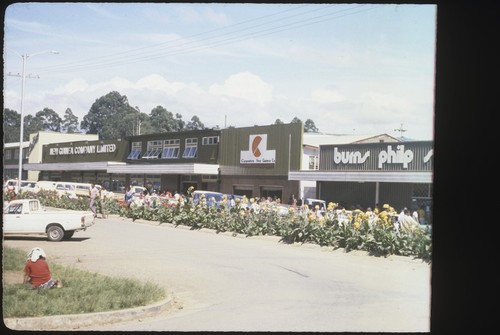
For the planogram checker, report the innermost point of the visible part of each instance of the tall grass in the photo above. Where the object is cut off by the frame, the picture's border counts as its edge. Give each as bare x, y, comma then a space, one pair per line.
83, 292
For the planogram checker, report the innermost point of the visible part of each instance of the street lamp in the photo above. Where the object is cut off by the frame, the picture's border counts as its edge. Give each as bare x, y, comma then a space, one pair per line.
25, 58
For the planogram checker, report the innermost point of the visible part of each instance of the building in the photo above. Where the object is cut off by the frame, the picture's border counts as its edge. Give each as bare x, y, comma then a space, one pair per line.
261, 161
32, 152
370, 174
310, 154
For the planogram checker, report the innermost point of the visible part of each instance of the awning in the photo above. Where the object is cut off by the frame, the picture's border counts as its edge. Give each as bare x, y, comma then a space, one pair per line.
81, 166
192, 168
362, 176
120, 167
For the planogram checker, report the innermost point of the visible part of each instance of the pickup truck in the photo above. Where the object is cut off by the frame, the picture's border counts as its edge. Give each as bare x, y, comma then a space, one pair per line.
27, 216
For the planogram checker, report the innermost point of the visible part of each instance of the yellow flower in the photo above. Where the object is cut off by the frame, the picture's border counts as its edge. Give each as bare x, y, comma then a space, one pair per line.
356, 225
386, 206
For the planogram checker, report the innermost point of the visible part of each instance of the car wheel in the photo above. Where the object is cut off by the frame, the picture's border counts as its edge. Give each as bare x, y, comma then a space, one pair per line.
55, 233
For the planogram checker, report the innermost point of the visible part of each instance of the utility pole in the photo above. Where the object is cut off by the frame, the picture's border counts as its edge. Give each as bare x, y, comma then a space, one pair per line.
21, 130
401, 130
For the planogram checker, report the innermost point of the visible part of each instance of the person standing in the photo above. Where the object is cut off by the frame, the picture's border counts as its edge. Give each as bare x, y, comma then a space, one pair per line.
37, 272
129, 197
94, 193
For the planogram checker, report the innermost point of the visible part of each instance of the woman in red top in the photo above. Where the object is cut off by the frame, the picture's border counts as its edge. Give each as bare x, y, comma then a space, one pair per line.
37, 272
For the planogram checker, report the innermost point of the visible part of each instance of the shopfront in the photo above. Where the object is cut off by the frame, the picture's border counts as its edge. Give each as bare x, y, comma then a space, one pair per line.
371, 174
255, 161
82, 161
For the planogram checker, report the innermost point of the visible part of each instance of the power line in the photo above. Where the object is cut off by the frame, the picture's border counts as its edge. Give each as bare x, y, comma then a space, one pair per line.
171, 48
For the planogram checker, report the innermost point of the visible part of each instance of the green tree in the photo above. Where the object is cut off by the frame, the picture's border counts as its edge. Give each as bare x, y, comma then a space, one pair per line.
296, 120
162, 121
109, 117
11, 125
49, 119
195, 124
70, 122
32, 124
310, 127
278, 121
180, 123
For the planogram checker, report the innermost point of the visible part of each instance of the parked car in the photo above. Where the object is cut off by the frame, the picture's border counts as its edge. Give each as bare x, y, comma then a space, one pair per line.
27, 216
312, 203
211, 197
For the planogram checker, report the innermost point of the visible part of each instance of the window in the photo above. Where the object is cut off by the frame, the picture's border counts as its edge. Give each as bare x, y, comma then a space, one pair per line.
190, 152
210, 140
154, 150
8, 154
153, 153
170, 152
313, 163
191, 148
136, 150
171, 149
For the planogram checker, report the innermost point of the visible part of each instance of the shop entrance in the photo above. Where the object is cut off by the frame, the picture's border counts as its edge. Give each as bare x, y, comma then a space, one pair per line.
274, 193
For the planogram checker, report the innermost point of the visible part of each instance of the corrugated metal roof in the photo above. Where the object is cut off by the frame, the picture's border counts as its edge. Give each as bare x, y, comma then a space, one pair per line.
317, 139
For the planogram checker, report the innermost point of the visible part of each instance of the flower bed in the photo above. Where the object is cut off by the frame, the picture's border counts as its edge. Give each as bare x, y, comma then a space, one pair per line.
375, 232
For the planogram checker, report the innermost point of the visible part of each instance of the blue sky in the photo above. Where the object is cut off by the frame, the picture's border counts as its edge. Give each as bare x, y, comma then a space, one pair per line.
351, 68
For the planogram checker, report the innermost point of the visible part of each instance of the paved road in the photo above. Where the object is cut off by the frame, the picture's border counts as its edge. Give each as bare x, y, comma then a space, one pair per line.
226, 283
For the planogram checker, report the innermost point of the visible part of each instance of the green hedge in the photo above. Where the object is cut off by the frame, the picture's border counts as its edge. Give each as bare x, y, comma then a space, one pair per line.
375, 233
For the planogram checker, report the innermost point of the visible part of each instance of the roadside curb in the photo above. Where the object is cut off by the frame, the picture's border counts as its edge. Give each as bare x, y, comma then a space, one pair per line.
75, 321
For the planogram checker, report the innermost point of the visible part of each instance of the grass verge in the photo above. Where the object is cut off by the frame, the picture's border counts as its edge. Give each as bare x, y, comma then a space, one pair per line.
83, 292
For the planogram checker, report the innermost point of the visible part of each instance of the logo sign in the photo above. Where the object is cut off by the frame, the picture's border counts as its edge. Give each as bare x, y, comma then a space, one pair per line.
83, 149
258, 153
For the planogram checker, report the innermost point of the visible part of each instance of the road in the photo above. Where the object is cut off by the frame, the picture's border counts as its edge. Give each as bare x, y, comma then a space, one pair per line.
226, 283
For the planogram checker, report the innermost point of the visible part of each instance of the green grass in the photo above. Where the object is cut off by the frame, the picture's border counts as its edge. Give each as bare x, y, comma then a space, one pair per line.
83, 292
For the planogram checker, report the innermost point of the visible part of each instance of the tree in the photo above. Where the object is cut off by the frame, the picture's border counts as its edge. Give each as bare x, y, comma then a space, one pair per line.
162, 121
180, 123
278, 121
110, 117
310, 127
11, 125
195, 124
32, 124
70, 122
296, 120
49, 119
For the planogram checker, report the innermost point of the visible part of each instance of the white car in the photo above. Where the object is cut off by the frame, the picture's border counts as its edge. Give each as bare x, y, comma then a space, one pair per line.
26, 216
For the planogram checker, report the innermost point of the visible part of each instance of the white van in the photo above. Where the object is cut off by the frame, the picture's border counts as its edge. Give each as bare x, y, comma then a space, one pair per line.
70, 189
26, 185
63, 188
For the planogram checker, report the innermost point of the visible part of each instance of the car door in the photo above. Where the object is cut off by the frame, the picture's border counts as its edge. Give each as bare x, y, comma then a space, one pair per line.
17, 219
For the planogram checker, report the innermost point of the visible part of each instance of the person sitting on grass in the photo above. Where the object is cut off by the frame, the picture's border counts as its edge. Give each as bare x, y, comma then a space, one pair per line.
37, 273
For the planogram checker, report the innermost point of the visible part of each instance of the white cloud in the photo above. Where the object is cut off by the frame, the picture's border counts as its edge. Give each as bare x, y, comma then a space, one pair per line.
246, 86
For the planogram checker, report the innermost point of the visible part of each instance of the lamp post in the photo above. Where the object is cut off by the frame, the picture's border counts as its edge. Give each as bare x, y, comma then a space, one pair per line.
23, 77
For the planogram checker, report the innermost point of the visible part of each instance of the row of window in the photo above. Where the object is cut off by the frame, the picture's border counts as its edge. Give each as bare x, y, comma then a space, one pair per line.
14, 153
169, 149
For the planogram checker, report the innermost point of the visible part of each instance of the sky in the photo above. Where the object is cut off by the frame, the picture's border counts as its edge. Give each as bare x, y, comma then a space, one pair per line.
352, 68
